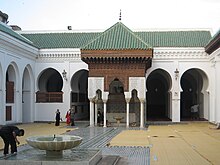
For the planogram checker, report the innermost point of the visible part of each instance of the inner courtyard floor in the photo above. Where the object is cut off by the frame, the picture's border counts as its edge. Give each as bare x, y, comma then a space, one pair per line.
183, 143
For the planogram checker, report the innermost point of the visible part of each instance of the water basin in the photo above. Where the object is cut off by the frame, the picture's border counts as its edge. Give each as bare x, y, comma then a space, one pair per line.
54, 144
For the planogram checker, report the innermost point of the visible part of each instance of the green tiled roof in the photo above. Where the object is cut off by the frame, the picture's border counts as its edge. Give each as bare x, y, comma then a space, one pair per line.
117, 37
60, 40
12, 33
120, 37
176, 38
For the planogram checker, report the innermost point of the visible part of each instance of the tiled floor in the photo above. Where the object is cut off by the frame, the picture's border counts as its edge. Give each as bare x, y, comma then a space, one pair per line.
192, 143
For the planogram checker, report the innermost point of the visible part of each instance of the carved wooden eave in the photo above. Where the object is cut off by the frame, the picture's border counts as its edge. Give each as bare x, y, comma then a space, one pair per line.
137, 57
117, 53
116, 60
120, 64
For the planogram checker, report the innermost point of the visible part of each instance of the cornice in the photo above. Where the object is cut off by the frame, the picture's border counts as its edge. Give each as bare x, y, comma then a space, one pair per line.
18, 47
59, 55
215, 57
216, 53
180, 53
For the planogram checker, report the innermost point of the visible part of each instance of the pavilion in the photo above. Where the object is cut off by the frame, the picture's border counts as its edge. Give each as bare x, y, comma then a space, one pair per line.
134, 76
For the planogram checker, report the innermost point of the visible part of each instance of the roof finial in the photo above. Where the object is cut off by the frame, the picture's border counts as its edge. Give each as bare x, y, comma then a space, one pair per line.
120, 15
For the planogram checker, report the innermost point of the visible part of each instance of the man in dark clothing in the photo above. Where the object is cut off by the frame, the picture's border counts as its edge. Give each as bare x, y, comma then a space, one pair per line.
99, 115
57, 123
9, 135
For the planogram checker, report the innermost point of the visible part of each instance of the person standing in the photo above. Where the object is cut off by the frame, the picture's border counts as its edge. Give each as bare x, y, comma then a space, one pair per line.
72, 116
99, 118
57, 123
68, 117
9, 135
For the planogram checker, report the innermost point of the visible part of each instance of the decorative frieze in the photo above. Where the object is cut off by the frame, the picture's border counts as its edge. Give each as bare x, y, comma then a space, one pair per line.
59, 55
180, 53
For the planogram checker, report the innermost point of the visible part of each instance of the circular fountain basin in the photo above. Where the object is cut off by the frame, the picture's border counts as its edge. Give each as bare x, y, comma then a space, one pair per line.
54, 144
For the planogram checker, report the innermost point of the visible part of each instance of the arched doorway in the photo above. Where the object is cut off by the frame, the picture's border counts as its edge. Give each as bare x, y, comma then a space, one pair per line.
99, 109
79, 95
116, 104
158, 96
11, 88
27, 96
134, 107
99, 101
2, 119
50, 84
194, 83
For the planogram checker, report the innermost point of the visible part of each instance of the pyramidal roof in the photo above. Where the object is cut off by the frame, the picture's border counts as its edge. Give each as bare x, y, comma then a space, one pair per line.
117, 37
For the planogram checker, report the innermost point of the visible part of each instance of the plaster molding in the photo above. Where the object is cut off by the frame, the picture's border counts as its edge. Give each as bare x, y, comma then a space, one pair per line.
180, 53
142, 100
95, 83
11, 44
213, 61
214, 57
127, 100
139, 84
59, 55
216, 54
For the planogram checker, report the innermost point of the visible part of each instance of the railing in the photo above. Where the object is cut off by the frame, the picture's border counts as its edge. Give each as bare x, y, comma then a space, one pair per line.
49, 97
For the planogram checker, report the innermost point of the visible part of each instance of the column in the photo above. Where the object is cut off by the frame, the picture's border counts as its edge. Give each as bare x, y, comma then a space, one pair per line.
127, 112
176, 96
142, 114
176, 107
104, 101
217, 91
96, 113
91, 113
2, 109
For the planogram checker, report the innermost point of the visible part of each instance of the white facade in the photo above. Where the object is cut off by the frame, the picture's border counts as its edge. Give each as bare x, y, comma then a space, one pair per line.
18, 60
183, 59
23, 64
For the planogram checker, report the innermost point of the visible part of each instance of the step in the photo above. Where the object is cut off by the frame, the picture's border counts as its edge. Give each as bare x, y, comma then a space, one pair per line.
109, 160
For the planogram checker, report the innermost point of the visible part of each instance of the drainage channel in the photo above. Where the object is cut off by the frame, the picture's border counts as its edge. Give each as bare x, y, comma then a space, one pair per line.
95, 137
132, 155
98, 138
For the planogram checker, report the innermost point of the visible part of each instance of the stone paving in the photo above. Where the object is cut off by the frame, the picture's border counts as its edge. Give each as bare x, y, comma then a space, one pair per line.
99, 138
192, 143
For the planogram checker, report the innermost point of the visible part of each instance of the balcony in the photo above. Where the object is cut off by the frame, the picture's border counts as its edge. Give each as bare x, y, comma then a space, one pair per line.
49, 97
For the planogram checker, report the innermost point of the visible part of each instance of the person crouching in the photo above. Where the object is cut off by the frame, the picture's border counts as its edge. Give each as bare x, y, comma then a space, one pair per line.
9, 135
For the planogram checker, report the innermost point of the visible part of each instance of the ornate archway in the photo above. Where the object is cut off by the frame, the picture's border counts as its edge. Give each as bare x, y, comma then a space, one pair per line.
79, 94
158, 95
50, 84
194, 83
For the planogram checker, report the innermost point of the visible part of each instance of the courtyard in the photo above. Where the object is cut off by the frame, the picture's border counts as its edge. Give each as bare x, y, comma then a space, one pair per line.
184, 143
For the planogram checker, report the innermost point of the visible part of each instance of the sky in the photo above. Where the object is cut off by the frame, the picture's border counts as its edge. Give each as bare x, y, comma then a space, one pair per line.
33, 15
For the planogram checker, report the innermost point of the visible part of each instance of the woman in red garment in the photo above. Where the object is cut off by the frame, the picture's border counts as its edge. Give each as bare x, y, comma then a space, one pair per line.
68, 117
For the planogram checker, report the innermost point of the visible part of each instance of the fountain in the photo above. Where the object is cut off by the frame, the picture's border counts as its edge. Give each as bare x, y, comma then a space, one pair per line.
118, 120
54, 144
60, 149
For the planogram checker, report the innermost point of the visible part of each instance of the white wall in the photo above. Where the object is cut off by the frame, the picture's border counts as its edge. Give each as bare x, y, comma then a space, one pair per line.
13, 51
216, 98
17, 55
183, 59
58, 59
